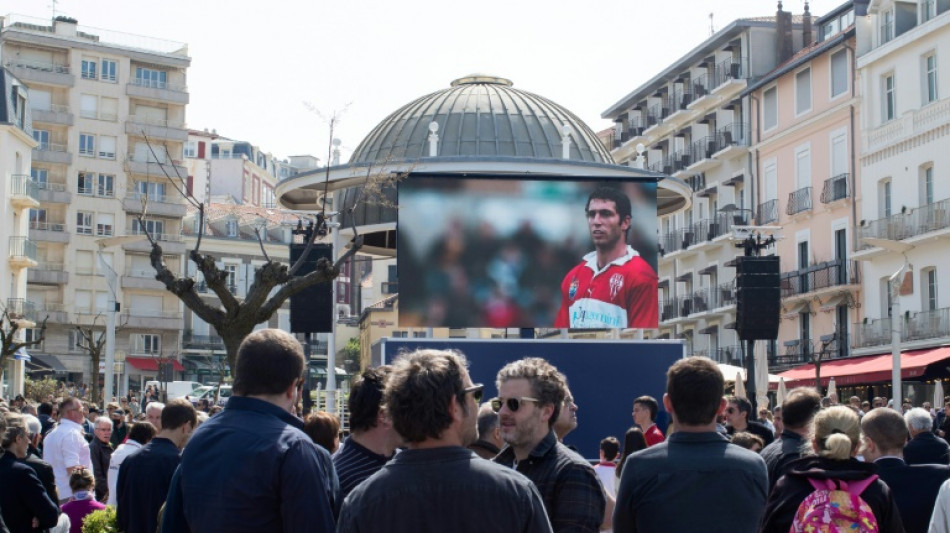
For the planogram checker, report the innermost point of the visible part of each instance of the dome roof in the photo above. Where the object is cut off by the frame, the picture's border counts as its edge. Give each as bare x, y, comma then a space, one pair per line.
484, 117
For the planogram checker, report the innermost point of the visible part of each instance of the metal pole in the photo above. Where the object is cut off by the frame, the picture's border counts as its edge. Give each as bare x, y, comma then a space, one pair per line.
896, 324
331, 344
109, 369
750, 376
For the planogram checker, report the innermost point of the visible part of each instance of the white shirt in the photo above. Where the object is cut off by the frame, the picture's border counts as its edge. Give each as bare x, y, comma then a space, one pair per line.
65, 447
118, 456
940, 521
607, 475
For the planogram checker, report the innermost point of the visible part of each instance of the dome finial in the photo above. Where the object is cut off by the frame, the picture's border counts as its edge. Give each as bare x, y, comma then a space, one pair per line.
486, 79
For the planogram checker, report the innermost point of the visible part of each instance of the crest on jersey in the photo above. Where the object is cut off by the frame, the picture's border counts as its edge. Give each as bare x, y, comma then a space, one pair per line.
616, 283
572, 291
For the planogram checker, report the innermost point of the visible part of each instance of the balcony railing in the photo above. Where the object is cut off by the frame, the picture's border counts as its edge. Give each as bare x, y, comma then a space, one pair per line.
924, 219
39, 65
51, 147
728, 355
697, 182
24, 185
927, 325
43, 225
704, 230
799, 201
835, 188
22, 247
874, 332
18, 308
703, 148
730, 70
700, 86
767, 212
156, 84
734, 134
207, 342
820, 276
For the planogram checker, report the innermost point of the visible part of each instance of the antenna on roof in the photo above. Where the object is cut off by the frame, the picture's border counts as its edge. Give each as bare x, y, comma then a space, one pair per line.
712, 29
52, 5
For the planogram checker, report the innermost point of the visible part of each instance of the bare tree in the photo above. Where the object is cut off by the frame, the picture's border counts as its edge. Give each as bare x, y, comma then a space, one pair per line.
9, 343
234, 319
92, 340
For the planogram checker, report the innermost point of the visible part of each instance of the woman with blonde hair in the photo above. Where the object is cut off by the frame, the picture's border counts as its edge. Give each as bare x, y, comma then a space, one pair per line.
836, 434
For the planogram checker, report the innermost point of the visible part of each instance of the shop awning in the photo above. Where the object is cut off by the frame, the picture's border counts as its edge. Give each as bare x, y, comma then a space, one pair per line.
50, 361
871, 369
150, 364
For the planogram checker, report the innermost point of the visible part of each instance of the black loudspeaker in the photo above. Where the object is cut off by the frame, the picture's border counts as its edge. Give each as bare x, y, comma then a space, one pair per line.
758, 298
311, 310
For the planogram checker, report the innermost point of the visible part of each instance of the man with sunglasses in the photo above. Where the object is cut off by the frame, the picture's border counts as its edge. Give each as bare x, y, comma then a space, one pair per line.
437, 484
65, 448
737, 419
531, 394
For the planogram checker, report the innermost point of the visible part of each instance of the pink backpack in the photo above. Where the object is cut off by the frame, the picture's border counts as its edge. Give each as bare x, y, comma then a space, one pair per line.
835, 507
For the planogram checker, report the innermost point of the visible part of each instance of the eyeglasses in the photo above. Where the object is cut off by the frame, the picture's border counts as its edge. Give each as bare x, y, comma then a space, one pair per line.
476, 390
513, 403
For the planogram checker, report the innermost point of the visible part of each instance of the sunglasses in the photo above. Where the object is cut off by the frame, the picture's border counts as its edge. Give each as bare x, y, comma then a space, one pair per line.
477, 390
513, 403
731, 410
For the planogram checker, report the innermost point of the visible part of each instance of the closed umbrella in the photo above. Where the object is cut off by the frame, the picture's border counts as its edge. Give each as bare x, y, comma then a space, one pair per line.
740, 386
780, 395
938, 396
761, 375
832, 389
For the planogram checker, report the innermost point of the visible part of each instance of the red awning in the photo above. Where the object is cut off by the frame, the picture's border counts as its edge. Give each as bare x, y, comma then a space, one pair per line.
150, 364
871, 369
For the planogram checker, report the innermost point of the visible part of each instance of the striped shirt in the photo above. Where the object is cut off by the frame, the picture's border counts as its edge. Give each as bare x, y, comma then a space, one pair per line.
354, 463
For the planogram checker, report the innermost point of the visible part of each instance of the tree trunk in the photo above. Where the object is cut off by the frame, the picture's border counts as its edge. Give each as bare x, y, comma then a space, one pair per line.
95, 392
232, 341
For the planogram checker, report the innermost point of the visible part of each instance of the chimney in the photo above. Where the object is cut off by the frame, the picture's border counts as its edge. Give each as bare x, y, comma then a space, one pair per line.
806, 27
65, 26
783, 28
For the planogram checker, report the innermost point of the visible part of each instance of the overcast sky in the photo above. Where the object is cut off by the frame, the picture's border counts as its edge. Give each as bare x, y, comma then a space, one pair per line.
256, 65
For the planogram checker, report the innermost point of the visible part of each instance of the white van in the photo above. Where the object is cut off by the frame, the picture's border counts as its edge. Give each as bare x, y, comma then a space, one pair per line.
177, 389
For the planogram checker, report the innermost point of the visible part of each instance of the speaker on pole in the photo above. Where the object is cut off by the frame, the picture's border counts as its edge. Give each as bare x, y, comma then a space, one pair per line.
758, 297
311, 310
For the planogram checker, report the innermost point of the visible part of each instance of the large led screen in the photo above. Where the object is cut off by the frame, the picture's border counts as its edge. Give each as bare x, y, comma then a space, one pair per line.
525, 252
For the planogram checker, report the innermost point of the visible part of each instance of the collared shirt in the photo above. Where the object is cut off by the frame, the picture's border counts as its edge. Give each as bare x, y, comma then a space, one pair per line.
570, 488
653, 435
118, 456
64, 448
355, 463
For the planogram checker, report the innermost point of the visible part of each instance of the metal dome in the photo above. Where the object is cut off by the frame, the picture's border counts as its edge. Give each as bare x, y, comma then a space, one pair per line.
483, 117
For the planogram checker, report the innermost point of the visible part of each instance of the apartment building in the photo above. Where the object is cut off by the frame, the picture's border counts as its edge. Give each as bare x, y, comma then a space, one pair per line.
109, 119
18, 194
691, 121
805, 119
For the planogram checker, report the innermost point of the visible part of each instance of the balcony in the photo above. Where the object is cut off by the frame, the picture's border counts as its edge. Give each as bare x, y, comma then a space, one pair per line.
728, 355
799, 201
834, 189
41, 72
56, 114
767, 213
656, 114
156, 129
872, 332
98, 114
48, 231
633, 131
158, 205
704, 231
678, 104
147, 319
148, 167
20, 309
710, 298
927, 325
925, 219
142, 278
817, 278
729, 77
53, 193
702, 96
191, 341
158, 91
53, 313
47, 274
22, 253
679, 161
23, 192
794, 353
732, 140
52, 153
171, 244
701, 155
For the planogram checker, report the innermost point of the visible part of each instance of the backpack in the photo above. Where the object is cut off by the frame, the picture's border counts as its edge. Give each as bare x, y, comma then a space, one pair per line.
835, 507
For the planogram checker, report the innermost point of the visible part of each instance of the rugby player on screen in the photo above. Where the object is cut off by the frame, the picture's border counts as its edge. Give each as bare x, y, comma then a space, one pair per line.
613, 287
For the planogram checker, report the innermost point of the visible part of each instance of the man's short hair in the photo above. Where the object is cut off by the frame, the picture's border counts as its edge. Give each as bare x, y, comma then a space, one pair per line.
366, 397
142, 432
68, 403
611, 448
33, 425
487, 420
323, 428
918, 419
177, 413
45, 408
419, 392
886, 428
650, 403
620, 200
154, 405
800, 406
104, 420
695, 386
548, 385
269, 361
743, 405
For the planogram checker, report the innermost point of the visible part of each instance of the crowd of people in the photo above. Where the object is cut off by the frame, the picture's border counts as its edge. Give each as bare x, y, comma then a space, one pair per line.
426, 453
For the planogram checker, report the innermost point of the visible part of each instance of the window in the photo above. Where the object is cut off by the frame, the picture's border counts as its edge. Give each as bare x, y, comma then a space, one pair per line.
147, 343
83, 301
32, 335
232, 228
109, 70
839, 73
89, 65
155, 191
105, 222
887, 26
191, 149
927, 185
232, 276
38, 219
155, 227
84, 183
803, 92
84, 262
87, 145
930, 79
89, 106
41, 100
105, 185
147, 77
889, 100
930, 289
42, 137
40, 176
107, 147
884, 198
770, 108
83, 223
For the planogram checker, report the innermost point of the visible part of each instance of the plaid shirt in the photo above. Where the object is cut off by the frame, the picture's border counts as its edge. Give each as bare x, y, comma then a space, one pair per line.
572, 494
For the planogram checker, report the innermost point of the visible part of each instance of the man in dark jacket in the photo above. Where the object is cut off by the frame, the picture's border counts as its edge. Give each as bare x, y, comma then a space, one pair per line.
924, 447
119, 428
100, 451
737, 415
798, 410
914, 487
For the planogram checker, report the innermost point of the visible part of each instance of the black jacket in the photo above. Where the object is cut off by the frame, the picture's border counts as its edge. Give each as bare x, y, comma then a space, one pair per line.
100, 453
758, 429
927, 448
142, 485
44, 471
23, 498
914, 488
794, 487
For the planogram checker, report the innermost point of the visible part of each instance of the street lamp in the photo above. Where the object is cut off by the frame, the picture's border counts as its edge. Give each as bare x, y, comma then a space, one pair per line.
111, 279
894, 285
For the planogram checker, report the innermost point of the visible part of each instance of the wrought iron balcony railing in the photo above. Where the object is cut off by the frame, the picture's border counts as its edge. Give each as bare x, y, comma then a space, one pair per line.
799, 201
820, 276
767, 212
836, 188
923, 219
